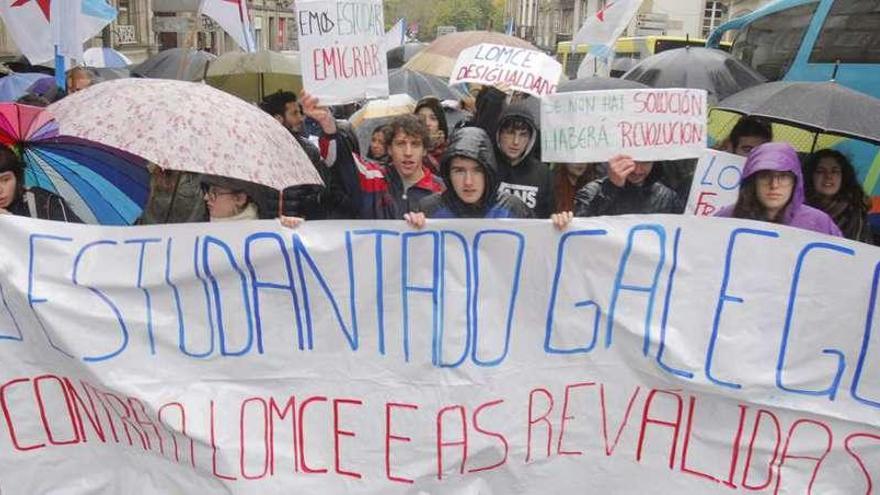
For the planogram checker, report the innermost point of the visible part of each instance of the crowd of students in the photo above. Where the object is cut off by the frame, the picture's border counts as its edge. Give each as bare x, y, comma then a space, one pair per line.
487, 166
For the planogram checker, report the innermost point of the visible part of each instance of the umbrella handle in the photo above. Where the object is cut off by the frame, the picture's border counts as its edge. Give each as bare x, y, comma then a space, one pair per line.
173, 197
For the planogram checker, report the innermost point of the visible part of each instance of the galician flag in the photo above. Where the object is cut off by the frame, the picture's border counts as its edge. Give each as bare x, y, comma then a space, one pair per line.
37, 26
232, 16
601, 31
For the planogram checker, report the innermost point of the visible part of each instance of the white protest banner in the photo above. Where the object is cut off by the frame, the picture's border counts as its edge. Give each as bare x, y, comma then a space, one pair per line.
627, 355
523, 69
647, 124
716, 182
342, 48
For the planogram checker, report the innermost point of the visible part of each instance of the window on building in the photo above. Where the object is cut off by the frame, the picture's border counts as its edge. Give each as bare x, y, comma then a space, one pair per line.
714, 14
851, 34
770, 44
124, 8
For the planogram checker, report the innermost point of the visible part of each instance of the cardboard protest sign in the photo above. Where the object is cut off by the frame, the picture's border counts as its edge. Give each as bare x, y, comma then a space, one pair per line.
341, 44
716, 182
523, 69
655, 354
647, 124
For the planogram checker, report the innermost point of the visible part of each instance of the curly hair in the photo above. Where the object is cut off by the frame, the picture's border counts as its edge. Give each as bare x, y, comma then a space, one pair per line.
411, 126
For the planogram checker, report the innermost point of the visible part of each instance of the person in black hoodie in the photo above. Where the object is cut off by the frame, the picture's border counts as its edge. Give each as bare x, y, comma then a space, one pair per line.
630, 187
468, 168
34, 202
520, 171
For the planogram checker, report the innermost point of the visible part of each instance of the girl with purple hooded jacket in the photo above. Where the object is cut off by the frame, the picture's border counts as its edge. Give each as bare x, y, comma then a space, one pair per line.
772, 190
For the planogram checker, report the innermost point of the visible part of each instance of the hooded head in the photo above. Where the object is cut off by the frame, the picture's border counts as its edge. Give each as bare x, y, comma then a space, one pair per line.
772, 179
471, 144
432, 105
517, 133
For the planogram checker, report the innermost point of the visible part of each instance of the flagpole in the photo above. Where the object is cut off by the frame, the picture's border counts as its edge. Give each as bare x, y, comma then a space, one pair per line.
60, 76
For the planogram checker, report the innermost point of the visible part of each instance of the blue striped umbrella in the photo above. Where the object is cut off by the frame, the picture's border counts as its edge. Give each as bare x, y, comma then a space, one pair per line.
101, 184
105, 57
16, 85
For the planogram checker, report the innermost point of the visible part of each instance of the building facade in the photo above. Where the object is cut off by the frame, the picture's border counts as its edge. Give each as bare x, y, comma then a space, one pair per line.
544, 23
144, 27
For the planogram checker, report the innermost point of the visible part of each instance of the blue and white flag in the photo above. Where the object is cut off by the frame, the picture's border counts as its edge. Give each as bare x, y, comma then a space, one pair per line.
233, 17
36, 25
75, 21
396, 36
601, 31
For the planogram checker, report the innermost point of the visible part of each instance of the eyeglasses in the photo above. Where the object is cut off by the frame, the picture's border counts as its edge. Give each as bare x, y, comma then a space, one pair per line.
781, 178
211, 194
463, 172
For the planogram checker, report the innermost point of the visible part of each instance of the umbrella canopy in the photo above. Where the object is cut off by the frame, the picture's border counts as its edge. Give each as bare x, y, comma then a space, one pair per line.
105, 57
864, 155
16, 85
182, 64
377, 113
716, 71
419, 85
622, 65
400, 55
439, 57
251, 76
597, 84
101, 184
821, 106
394, 105
109, 73
189, 127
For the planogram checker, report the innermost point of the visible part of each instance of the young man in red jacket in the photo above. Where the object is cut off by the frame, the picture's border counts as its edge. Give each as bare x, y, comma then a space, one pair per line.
381, 193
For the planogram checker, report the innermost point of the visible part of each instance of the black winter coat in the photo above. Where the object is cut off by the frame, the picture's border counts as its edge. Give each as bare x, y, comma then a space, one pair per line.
527, 178
602, 197
473, 143
45, 205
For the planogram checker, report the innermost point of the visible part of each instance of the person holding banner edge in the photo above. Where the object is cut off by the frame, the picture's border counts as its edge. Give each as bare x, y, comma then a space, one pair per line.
380, 193
469, 167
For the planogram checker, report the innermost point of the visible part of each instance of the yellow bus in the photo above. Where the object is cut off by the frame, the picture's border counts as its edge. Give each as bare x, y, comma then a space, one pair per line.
627, 52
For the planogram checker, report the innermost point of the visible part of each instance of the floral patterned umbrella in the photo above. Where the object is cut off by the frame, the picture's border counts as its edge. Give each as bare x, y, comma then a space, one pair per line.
189, 127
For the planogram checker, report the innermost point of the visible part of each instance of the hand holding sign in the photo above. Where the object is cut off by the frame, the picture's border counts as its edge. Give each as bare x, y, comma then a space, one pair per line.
321, 115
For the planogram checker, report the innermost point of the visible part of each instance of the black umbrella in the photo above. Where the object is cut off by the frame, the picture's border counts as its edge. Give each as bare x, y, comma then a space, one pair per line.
182, 64
400, 55
714, 70
419, 85
819, 106
597, 84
